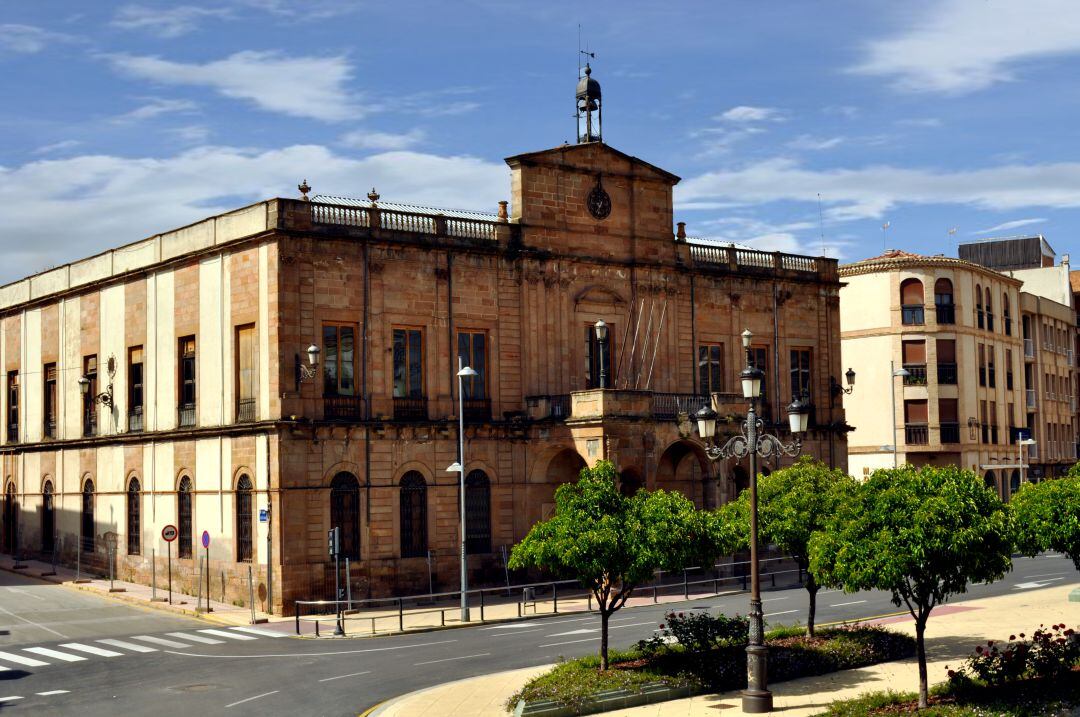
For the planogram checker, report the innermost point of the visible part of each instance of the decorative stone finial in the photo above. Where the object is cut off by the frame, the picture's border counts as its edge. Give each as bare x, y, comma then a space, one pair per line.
373, 196
503, 214
680, 233
304, 189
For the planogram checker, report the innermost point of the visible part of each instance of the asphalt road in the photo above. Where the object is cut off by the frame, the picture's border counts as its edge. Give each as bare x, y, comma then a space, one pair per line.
96, 657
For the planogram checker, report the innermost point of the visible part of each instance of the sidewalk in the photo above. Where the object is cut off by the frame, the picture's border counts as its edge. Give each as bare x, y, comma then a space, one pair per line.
951, 635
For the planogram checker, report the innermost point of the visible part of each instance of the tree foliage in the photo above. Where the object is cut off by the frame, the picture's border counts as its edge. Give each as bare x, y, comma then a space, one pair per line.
1046, 516
612, 543
794, 503
922, 534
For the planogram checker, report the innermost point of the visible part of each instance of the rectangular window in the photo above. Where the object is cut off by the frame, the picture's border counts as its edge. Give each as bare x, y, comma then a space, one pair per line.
1008, 370
949, 418
13, 406
916, 430
946, 361
187, 376
990, 367
339, 360
982, 365
50, 400
594, 362
472, 350
913, 354
89, 394
759, 359
408, 363
993, 422
985, 422
710, 368
247, 372
800, 374
135, 388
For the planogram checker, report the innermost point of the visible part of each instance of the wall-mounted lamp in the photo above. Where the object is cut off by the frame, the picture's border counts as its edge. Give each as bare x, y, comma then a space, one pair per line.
307, 373
837, 389
105, 398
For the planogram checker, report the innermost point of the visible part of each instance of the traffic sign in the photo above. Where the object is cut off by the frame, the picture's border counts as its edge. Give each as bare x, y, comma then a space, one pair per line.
168, 533
205, 539
264, 515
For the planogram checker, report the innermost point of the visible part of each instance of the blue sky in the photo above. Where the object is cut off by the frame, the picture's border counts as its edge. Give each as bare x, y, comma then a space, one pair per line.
124, 119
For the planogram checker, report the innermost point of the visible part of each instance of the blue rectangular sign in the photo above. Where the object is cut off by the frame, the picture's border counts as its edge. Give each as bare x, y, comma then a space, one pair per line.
264, 515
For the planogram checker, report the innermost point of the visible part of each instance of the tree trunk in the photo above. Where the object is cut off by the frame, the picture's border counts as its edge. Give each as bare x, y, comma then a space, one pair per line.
920, 650
812, 588
604, 615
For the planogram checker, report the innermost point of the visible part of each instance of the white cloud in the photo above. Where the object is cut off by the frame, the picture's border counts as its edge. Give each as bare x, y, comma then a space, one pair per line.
366, 139
27, 39
155, 108
814, 144
309, 10
300, 86
960, 46
921, 122
57, 146
62, 210
1006, 226
164, 22
744, 113
191, 134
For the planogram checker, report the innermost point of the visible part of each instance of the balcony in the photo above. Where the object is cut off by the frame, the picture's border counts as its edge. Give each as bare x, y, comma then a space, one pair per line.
946, 313
341, 408
994, 434
991, 376
950, 432
245, 410
135, 419
916, 434
989, 321
13, 433
1029, 348
89, 422
946, 374
1008, 326
185, 416
912, 315
1030, 393
49, 427
916, 374
1009, 381
979, 320
410, 408
666, 406
1069, 356
477, 410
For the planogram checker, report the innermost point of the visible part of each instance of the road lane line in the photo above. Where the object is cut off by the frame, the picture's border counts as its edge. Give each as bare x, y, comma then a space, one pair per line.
100, 651
46, 652
12, 698
853, 602
195, 638
249, 699
35, 624
636, 624
509, 626
775, 599
229, 635
160, 641
519, 632
341, 677
50, 693
127, 645
1044, 575
261, 633
20, 659
451, 659
569, 642
785, 612
23, 592
313, 654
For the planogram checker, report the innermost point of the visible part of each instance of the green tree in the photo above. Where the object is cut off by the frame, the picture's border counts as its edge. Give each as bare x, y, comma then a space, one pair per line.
922, 534
612, 543
1046, 516
793, 504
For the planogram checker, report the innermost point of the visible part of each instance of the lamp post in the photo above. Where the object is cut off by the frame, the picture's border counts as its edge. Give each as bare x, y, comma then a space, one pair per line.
459, 466
753, 442
1023, 442
902, 373
601, 340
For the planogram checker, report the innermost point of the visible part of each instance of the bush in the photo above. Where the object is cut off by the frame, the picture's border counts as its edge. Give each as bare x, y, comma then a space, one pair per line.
700, 631
1050, 654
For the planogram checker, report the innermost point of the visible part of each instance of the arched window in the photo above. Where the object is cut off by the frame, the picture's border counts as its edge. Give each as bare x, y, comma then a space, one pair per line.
979, 317
11, 520
477, 512
244, 539
88, 516
345, 512
48, 518
134, 517
943, 302
183, 518
989, 311
991, 482
413, 515
911, 301
1006, 315
1014, 482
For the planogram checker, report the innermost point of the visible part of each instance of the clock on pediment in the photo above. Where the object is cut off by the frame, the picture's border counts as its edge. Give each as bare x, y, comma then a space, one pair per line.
598, 201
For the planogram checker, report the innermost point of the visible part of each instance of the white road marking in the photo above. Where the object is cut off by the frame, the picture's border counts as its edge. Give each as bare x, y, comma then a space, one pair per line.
46, 652
249, 699
519, 632
12, 698
23, 592
51, 692
635, 624
341, 677
229, 635
785, 612
35, 624
1035, 584
257, 631
451, 659
127, 645
510, 626
1044, 575
194, 638
20, 659
569, 642
582, 631
160, 641
853, 602
775, 599
826, 592
304, 655
100, 651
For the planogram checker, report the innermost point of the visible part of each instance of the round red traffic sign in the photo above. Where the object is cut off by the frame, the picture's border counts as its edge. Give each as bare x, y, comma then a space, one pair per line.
169, 533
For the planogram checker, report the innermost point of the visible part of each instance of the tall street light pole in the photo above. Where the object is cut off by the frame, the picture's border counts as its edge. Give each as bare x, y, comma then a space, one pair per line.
753, 443
463, 373
902, 373
601, 341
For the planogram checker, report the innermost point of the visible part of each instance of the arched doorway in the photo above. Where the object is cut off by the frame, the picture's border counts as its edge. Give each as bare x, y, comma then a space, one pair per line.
630, 481
683, 467
11, 520
48, 518
564, 466
1014, 482
991, 482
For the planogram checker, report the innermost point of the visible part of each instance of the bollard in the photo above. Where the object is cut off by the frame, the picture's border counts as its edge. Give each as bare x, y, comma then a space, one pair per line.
685, 586
589, 596
555, 597
655, 599
296, 607
251, 594
153, 577
198, 583
481, 606
400, 616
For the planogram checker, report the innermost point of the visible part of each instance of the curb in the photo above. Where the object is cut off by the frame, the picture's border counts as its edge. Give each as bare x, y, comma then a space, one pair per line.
380, 708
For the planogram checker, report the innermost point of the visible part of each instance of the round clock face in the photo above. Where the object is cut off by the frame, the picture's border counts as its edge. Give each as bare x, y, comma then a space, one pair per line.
599, 202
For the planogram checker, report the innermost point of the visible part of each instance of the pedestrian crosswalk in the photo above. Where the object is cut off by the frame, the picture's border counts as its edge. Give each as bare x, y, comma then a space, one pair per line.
15, 658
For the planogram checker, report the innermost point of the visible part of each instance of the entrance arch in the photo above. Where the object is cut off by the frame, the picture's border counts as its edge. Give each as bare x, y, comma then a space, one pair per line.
684, 467
630, 481
564, 466
991, 482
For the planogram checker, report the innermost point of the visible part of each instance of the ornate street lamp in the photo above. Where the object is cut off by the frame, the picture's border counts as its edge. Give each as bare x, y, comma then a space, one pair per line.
307, 373
601, 339
458, 467
753, 442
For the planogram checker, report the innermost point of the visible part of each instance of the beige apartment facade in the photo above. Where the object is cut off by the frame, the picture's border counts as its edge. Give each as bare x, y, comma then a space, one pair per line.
1049, 330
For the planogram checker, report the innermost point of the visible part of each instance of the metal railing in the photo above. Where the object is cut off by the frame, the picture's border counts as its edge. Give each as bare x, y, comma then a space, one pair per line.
341, 408
916, 374
49, 427
410, 408
13, 433
477, 410
185, 415
90, 422
1030, 394
666, 406
946, 374
245, 410
560, 405
916, 434
946, 313
950, 432
1029, 348
989, 321
912, 315
135, 419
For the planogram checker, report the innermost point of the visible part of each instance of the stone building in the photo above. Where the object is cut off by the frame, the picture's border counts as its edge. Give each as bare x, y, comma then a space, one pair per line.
169, 381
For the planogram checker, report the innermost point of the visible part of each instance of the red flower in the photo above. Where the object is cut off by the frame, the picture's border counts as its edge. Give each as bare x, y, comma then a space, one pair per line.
1012, 637
661, 626
952, 673
978, 649
1021, 635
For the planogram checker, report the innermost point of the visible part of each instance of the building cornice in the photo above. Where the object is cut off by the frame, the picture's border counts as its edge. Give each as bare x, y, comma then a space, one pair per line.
901, 263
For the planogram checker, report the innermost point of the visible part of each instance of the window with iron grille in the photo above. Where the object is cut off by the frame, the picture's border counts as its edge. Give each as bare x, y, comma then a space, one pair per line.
593, 357
88, 517
710, 368
247, 372
50, 400
13, 406
89, 394
134, 517
188, 394
244, 527
413, 515
345, 512
477, 513
408, 363
135, 388
183, 518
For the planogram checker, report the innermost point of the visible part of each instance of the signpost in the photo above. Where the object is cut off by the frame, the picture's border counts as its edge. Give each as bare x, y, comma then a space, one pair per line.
168, 534
206, 545
333, 540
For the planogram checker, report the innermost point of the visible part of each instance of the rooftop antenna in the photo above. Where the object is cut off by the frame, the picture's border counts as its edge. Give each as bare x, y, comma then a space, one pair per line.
884, 236
821, 223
